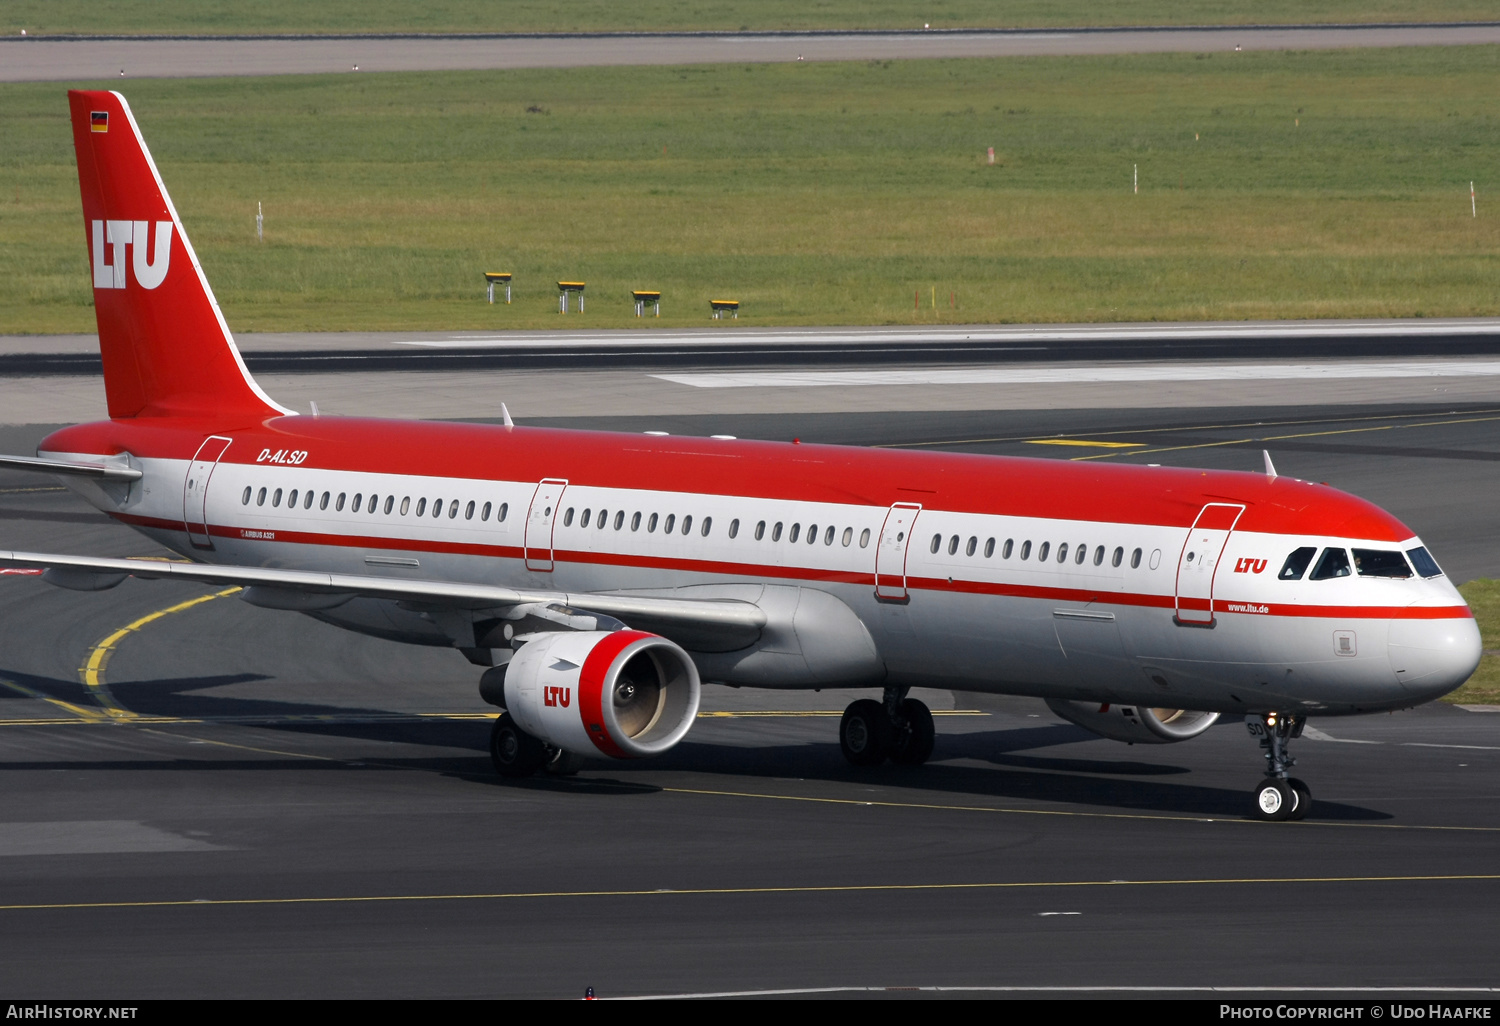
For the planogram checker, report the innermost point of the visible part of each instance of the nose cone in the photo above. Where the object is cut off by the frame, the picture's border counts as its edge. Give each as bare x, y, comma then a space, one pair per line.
1432, 657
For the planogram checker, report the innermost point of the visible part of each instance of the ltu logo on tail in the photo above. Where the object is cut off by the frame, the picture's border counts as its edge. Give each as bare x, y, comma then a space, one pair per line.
149, 273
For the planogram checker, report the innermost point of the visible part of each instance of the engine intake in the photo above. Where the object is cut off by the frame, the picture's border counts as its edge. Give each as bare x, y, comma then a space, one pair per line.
1137, 724
625, 694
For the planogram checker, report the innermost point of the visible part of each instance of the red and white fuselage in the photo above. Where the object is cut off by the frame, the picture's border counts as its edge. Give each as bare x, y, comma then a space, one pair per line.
1141, 585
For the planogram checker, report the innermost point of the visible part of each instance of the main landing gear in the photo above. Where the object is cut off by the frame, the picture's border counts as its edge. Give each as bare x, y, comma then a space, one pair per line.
899, 729
1279, 796
517, 754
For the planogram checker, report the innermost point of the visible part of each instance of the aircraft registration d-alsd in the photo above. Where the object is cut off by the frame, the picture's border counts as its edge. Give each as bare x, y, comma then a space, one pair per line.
601, 577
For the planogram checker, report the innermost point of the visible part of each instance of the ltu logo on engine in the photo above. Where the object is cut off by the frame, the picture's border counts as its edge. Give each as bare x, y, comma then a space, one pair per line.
135, 234
557, 696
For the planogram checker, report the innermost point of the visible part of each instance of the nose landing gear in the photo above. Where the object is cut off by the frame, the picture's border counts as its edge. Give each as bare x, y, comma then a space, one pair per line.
899, 729
1279, 796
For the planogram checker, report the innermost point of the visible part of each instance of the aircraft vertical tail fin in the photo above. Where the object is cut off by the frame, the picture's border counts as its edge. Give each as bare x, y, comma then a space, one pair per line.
167, 351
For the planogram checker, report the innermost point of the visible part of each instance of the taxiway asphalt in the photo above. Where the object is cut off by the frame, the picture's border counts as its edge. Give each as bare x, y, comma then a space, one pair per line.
42, 59
256, 804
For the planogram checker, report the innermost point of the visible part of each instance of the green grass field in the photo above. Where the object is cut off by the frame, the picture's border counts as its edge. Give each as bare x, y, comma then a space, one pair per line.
1327, 184
1484, 687
133, 17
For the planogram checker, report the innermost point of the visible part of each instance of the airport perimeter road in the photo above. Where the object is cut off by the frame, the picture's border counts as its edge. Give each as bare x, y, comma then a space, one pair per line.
251, 803
42, 59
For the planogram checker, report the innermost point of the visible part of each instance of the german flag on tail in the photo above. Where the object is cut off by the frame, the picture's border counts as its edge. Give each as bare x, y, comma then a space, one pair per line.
99, 121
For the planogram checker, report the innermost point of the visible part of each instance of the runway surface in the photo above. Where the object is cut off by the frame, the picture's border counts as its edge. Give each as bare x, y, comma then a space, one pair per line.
52, 60
250, 803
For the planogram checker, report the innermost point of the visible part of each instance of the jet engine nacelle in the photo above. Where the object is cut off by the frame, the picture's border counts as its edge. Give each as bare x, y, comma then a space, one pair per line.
1136, 724
625, 694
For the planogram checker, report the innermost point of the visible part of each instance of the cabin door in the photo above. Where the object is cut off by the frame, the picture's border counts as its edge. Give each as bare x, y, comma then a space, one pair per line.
539, 521
890, 554
1198, 562
195, 490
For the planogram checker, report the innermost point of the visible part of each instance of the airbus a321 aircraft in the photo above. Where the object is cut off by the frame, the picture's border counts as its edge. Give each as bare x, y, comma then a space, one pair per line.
600, 577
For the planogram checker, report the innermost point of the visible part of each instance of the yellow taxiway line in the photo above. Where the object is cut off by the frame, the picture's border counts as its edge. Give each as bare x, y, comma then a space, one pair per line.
92, 671
660, 892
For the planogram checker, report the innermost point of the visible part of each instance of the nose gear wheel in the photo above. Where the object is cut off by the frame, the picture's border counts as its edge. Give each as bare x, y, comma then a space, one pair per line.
1279, 796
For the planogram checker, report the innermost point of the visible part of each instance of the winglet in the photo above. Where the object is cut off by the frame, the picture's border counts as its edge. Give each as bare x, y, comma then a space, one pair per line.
166, 349
1270, 467
506, 414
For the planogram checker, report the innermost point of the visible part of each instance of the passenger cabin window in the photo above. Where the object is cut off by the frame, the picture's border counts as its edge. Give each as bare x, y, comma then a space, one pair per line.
1332, 563
390, 500
796, 531
848, 536
776, 532
260, 497
989, 549
1099, 556
468, 510
1381, 563
734, 528
708, 525
1081, 554
504, 509
484, 514
1296, 564
635, 522
760, 530
406, 505
453, 509
1041, 552
1026, 550
671, 522
437, 507
421, 507
338, 506
619, 519
937, 543
1135, 560
864, 538
291, 500
323, 503
245, 499
568, 517
651, 524
1423, 561
1005, 550
1118, 557
687, 524
828, 536
308, 499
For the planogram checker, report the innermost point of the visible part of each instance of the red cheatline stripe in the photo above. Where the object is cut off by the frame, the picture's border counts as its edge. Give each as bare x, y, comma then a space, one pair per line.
812, 574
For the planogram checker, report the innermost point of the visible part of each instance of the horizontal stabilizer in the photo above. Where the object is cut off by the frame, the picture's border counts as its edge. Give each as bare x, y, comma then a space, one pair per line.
102, 471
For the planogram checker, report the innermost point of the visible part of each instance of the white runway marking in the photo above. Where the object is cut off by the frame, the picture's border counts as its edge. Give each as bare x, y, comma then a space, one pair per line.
1314, 734
742, 336
1092, 373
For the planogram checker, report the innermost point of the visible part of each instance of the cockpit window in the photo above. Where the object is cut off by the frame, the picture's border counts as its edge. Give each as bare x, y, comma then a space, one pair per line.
1379, 563
1296, 564
1423, 561
1333, 563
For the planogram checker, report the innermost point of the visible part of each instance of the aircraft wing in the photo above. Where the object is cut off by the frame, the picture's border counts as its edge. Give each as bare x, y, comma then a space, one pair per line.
727, 617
